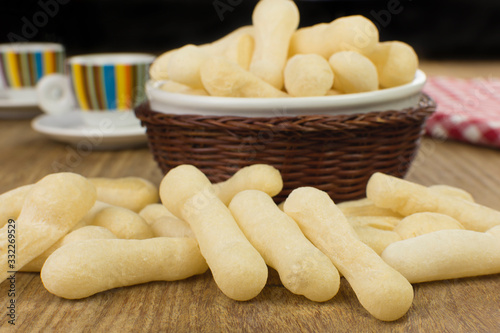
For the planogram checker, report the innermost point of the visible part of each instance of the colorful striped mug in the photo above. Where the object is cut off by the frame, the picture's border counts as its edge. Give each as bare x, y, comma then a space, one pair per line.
22, 65
99, 85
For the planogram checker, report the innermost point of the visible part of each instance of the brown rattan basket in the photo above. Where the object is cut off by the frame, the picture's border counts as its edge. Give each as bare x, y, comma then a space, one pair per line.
336, 154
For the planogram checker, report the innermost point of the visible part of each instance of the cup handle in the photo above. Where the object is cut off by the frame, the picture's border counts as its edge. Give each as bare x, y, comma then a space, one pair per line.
54, 94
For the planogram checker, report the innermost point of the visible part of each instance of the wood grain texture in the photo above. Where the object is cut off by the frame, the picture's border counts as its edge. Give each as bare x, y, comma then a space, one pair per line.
197, 305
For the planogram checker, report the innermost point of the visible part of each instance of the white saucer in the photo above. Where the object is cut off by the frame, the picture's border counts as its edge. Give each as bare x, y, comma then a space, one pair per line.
69, 128
18, 109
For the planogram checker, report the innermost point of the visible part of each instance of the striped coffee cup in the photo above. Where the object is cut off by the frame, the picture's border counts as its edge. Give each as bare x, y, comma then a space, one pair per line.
97, 84
22, 65
109, 81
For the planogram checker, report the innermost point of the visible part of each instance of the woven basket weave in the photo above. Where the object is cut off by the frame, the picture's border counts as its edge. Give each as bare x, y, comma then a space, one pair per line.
336, 154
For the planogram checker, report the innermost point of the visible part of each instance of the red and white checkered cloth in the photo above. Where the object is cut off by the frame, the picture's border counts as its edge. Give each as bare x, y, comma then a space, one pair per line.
467, 109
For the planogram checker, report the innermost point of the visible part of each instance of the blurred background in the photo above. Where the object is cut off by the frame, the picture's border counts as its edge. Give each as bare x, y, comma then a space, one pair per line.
451, 29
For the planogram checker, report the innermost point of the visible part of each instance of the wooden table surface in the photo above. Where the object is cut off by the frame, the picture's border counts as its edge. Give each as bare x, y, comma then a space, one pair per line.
196, 304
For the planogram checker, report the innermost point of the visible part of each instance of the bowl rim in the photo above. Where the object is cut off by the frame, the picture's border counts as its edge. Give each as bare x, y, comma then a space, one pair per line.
178, 103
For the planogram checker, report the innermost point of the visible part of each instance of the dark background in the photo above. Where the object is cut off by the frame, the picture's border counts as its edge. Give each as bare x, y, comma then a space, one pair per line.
449, 29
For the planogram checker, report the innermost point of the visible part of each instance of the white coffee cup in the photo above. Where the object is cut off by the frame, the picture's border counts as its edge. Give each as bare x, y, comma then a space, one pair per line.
98, 86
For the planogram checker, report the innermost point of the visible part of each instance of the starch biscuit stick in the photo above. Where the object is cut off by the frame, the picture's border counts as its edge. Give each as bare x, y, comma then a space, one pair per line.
78, 235
240, 51
51, 208
171, 226
184, 66
274, 23
495, 231
376, 231
159, 68
445, 254
353, 72
238, 269
408, 198
348, 33
11, 203
396, 63
308, 75
89, 217
377, 239
303, 268
262, 177
176, 87
374, 221
133, 193
382, 291
452, 190
153, 211
423, 223
163, 223
123, 222
364, 207
224, 78
82, 269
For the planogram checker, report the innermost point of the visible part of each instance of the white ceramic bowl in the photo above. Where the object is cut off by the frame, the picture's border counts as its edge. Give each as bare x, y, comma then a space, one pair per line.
397, 98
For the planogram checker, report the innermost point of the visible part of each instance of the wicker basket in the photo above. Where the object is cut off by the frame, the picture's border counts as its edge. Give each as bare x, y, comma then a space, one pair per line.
336, 154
